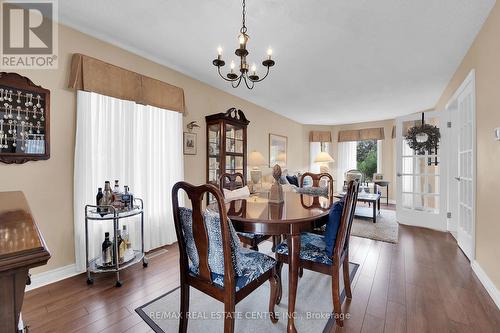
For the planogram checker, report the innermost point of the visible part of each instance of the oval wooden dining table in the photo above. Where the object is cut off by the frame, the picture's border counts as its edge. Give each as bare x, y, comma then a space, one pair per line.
297, 213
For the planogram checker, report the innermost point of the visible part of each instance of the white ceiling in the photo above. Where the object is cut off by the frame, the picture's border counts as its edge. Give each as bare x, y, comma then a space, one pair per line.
337, 61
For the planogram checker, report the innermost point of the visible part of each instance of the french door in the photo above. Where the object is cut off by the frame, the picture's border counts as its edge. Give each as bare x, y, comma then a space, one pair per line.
466, 167
421, 191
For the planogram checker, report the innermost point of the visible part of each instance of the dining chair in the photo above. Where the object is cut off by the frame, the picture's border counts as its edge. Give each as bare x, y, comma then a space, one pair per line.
313, 255
233, 181
229, 277
316, 187
317, 190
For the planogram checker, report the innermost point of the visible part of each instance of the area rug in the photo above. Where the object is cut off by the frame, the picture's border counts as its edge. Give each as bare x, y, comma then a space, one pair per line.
313, 308
386, 229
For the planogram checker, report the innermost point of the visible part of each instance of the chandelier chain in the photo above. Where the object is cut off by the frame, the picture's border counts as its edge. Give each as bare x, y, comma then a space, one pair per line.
244, 28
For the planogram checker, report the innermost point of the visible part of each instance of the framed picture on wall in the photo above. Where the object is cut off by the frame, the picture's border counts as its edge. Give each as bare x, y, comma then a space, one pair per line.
189, 143
277, 150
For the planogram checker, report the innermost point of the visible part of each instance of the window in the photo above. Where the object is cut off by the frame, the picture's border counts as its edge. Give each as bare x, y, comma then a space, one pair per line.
137, 144
366, 158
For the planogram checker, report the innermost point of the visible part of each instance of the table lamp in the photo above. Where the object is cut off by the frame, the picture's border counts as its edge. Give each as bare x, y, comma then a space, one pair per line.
323, 159
256, 160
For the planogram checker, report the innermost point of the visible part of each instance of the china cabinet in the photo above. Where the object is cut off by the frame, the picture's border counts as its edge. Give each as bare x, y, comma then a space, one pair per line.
226, 144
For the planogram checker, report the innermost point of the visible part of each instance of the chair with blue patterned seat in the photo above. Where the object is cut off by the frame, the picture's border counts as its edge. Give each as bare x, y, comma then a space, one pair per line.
315, 255
231, 182
212, 259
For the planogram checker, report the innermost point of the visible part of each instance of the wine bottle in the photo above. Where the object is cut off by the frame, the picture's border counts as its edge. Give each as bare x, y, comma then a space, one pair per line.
98, 198
106, 256
122, 247
129, 253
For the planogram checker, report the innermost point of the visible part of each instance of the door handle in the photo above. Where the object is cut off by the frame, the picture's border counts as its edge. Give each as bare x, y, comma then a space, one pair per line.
458, 178
399, 174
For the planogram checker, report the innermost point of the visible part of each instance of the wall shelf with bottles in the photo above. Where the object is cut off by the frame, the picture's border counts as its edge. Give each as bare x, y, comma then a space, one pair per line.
226, 144
96, 213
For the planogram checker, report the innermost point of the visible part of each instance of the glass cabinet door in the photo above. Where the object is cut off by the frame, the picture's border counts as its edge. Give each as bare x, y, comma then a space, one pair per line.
214, 143
234, 139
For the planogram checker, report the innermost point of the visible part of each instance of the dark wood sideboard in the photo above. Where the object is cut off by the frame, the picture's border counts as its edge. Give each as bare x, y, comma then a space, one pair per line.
21, 247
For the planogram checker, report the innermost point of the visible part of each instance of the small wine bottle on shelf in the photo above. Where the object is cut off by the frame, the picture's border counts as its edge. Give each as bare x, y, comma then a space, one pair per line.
129, 253
106, 256
122, 247
98, 198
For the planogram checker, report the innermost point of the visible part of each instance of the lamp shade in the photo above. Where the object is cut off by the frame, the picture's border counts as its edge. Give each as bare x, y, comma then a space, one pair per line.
256, 159
323, 157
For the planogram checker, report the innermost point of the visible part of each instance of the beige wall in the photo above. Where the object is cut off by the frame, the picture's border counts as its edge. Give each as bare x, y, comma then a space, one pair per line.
388, 150
48, 185
484, 57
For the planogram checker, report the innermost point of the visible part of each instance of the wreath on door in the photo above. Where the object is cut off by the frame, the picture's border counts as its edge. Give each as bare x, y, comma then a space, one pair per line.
423, 138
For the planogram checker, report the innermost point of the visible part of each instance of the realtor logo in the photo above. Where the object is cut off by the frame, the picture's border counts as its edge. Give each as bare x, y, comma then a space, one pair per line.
29, 35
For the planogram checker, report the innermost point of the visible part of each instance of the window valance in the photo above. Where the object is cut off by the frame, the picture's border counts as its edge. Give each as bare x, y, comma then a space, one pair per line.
362, 134
320, 136
94, 75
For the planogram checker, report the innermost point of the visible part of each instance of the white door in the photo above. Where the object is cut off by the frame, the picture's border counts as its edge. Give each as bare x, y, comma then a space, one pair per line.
466, 166
421, 193
452, 135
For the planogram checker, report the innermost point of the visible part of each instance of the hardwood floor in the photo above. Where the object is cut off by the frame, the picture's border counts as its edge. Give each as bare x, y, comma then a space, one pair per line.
422, 284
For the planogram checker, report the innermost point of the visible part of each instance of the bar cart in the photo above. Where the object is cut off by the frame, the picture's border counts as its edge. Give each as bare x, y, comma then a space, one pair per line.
110, 213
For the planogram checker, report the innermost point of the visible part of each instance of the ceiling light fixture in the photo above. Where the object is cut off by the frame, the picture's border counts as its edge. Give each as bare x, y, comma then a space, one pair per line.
242, 52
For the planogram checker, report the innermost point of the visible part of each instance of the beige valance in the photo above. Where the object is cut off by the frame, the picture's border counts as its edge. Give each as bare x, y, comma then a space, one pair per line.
362, 134
320, 136
90, 74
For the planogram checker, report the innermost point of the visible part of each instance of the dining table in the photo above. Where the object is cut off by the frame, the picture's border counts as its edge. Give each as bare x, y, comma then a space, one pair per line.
297, 213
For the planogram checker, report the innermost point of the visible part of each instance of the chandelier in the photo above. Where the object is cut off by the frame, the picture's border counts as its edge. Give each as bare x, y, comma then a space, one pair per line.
242, 53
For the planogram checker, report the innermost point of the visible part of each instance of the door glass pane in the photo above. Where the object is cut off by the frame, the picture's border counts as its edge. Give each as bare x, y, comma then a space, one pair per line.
420, 181
407, 183
407, 200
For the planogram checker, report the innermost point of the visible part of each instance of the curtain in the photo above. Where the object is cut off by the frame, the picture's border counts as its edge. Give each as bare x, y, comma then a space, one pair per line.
141, 146
380, 143
346, 161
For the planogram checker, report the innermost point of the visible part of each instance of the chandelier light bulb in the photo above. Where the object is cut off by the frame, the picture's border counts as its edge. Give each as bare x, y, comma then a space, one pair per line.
269, 52
219, 50
232, 66
241, 39
254, 68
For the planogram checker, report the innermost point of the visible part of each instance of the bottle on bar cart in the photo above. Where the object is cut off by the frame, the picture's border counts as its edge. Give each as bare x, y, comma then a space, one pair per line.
106, 254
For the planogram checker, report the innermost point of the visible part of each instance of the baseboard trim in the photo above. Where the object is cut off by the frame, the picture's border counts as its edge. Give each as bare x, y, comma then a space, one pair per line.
54, 275
487, 283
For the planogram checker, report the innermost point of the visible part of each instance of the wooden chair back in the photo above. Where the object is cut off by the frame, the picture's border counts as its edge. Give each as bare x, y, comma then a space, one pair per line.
195, 195
230, 181
316, 179
350, 200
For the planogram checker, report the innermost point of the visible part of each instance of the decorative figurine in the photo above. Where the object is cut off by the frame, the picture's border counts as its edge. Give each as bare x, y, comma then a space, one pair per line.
276, 194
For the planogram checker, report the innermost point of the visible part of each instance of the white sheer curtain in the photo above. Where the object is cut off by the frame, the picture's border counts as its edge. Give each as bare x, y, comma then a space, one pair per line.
346, 161
139, 145
380, 155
